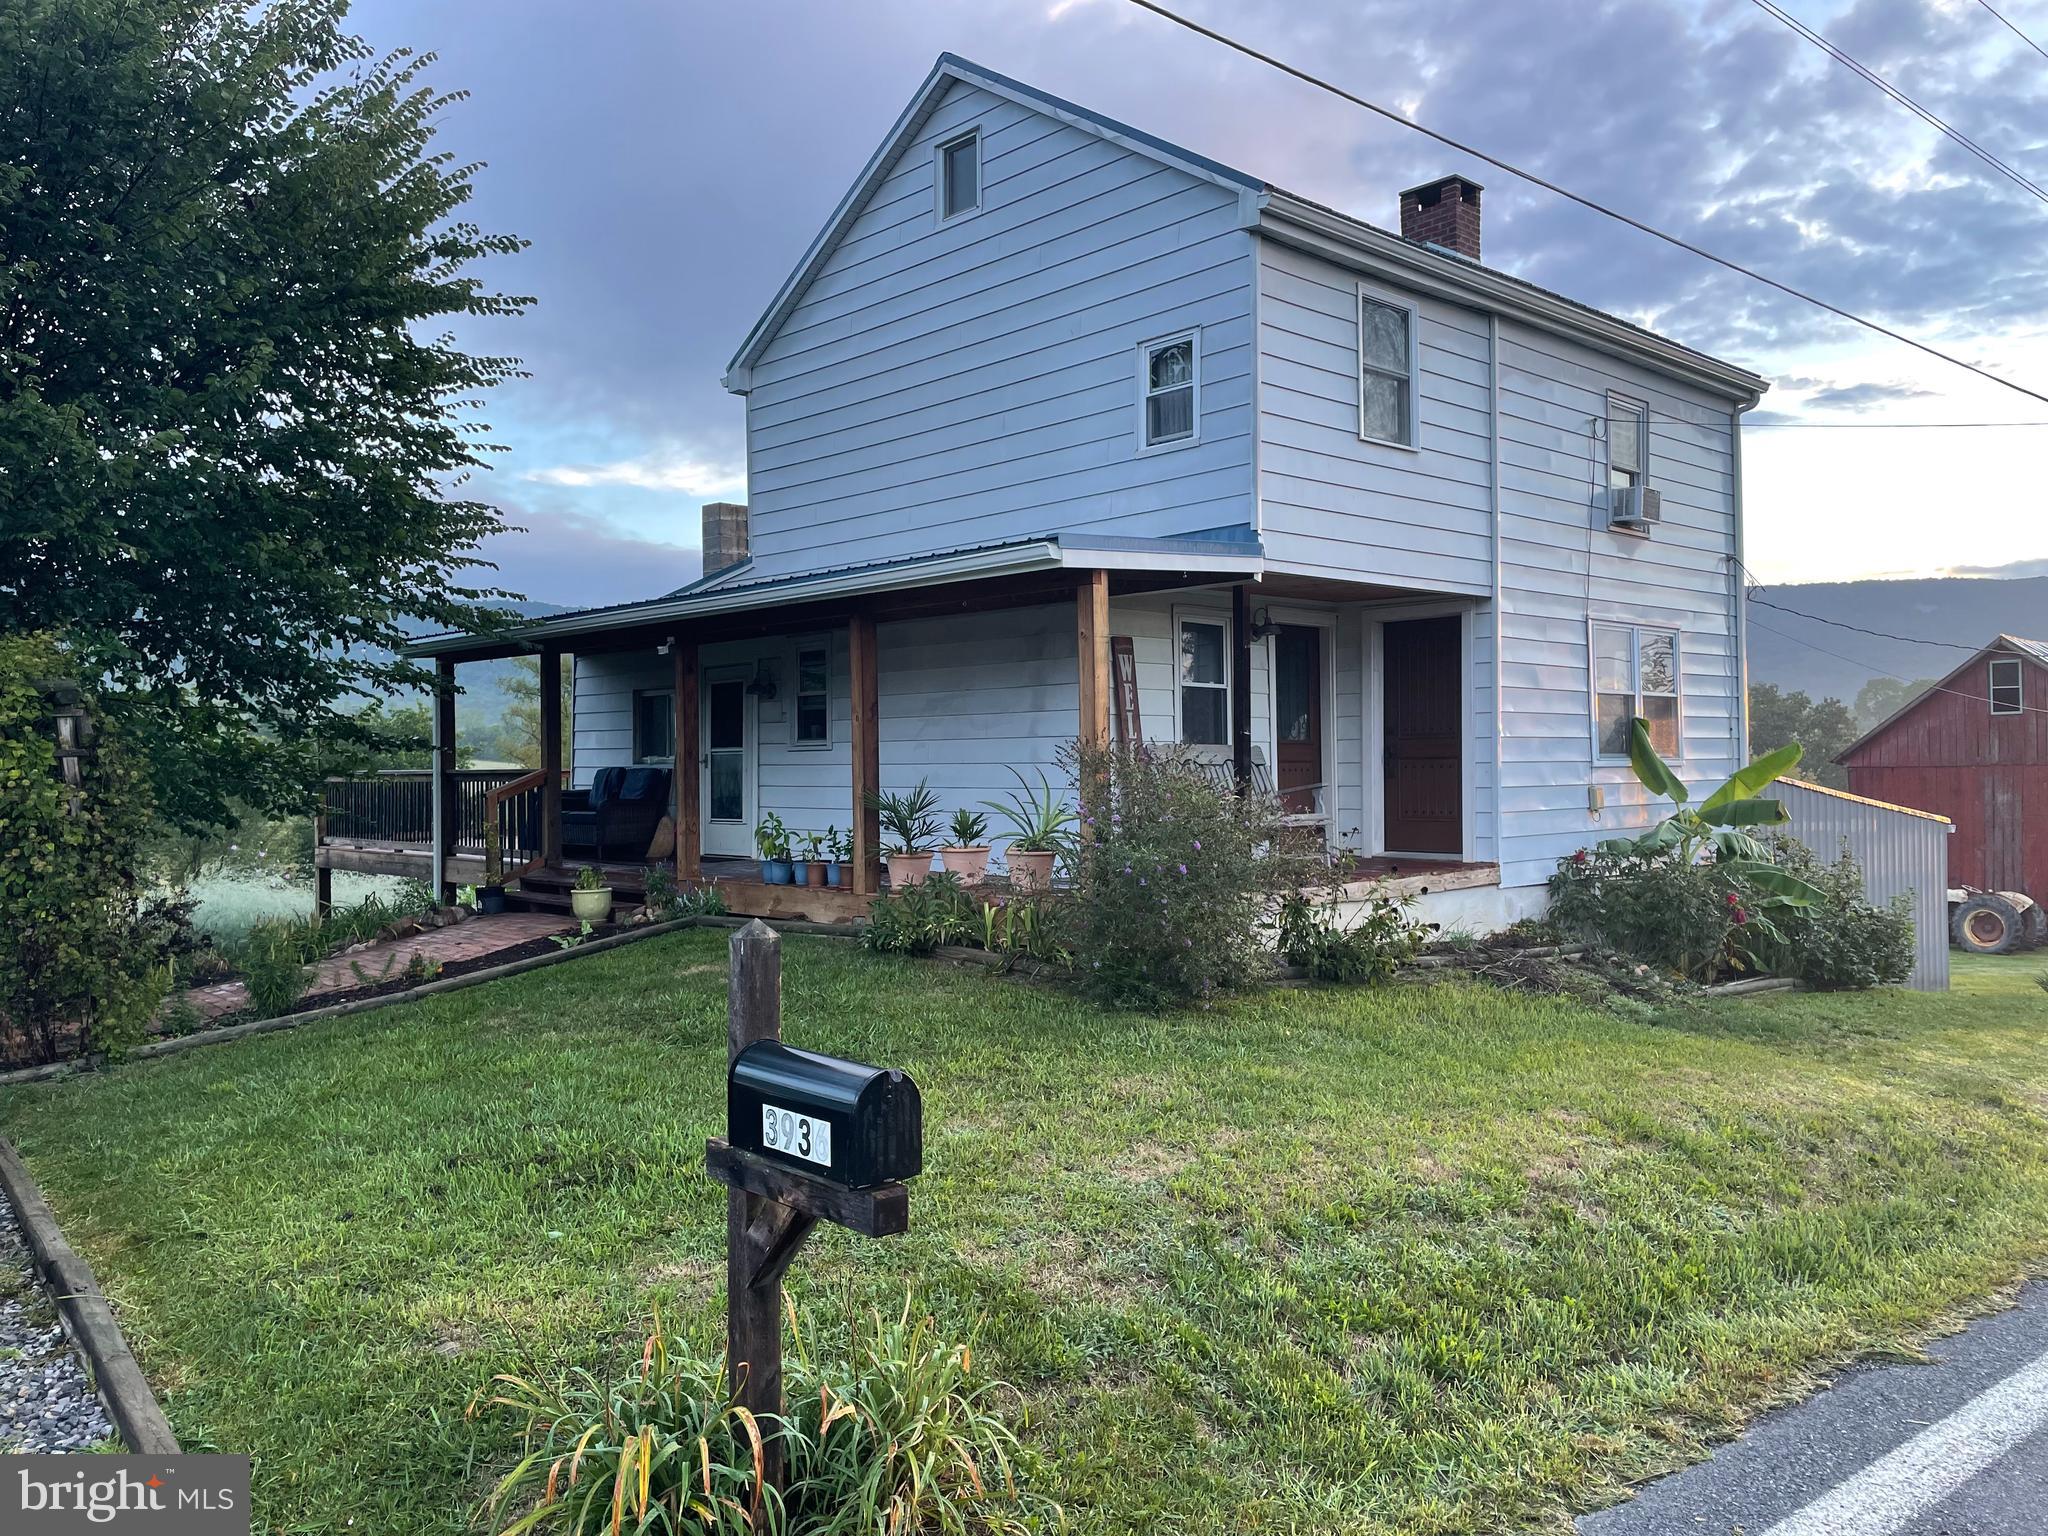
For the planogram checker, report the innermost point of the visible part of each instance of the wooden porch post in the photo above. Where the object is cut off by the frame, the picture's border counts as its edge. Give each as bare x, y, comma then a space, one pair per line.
867, 755
689, 810
1091, 636
323, 873
551, 756
447, 815
1241, 685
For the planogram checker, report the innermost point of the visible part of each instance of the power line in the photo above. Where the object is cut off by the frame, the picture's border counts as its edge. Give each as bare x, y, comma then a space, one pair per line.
1881, 426
1585, 202
1919, 111
1879, 634
2015, 31
1974, 698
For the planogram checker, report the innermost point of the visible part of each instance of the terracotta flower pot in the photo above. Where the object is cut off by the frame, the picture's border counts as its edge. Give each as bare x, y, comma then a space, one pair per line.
814, 872
1030, 869
970, 864
909, 868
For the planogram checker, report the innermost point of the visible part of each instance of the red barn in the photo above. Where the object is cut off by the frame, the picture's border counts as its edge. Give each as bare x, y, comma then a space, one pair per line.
1974, 748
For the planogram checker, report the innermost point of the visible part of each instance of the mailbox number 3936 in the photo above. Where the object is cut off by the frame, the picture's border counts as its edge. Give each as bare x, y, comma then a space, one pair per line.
795, 1135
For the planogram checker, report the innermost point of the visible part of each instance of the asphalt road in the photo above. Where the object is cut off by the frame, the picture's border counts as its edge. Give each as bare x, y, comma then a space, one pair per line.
1956, 1448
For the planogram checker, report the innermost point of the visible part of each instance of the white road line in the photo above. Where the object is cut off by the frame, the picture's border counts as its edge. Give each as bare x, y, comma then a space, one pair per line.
1930, 1466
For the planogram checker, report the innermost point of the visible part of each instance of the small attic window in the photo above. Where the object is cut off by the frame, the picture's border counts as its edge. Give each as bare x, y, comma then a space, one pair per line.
959, 175
2007, 684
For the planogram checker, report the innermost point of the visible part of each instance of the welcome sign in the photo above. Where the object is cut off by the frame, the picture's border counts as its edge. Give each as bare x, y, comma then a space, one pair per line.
139, 1495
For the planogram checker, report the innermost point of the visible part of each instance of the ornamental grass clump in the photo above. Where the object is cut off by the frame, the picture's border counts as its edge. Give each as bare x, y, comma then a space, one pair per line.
1177, 879
900, 1437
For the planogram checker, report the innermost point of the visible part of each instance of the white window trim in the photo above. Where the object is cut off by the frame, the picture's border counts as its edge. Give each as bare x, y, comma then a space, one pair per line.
1635, 627
1392, 300
652, 693
1625, 404
1146, 348
2019, 683
971, 135
796, 674
1218, 618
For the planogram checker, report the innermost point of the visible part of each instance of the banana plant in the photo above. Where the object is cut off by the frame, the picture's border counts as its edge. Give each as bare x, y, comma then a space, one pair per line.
1719, 822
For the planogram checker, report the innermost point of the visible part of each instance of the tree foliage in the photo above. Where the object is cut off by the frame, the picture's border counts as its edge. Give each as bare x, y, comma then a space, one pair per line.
1779, 719
1882, 697
234, 432
86, 961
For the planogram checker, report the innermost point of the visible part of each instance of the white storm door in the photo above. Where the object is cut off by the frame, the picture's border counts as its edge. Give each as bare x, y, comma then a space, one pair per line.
728, 759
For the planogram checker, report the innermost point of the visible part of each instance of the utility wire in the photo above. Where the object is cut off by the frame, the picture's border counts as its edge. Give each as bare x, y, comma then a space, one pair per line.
2015, 31
1879, 426
1879, 634
1974, 698
1533, 179
1919, 111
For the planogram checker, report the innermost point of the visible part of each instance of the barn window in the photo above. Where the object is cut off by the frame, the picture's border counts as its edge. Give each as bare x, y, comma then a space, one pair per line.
1204, 682
1169, 380
2005, 686
960, 175
1635, 677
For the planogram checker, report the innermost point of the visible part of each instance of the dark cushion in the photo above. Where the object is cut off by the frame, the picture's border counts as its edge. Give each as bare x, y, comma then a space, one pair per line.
605, 786
645, 784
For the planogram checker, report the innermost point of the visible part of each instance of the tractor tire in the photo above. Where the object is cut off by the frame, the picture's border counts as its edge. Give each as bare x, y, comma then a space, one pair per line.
1986, 925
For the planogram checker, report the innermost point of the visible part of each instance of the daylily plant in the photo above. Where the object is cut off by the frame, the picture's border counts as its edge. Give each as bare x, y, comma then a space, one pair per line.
1718, 823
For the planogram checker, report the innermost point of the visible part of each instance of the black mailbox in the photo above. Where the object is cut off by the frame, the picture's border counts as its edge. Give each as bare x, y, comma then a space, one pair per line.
855, 1125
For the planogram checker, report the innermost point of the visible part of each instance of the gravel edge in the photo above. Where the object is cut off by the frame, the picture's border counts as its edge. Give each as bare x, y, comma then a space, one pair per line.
85, 1314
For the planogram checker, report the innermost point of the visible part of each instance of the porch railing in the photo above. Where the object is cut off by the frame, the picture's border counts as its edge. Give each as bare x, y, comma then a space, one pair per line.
394, 808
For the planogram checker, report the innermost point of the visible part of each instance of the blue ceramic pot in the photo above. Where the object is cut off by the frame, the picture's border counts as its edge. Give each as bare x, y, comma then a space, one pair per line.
799, 871
777, 872
832, 872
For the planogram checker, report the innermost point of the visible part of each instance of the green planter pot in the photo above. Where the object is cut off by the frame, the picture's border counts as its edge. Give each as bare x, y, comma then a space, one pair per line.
592, 906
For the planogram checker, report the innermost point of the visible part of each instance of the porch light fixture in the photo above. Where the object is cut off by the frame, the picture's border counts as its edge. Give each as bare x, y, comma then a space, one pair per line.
1263, 627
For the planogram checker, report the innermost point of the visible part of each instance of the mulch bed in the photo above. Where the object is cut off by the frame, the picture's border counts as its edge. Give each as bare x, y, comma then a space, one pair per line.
398, 981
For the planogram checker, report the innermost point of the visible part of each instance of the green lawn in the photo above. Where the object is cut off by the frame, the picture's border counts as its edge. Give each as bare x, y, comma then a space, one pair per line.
1418, 1259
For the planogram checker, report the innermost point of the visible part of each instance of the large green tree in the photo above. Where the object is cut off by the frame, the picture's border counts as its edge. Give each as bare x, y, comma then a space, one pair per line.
1882, 697
1779, 719
234, 430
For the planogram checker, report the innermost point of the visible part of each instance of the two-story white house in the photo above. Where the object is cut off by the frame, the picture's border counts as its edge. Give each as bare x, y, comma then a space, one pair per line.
1060, 430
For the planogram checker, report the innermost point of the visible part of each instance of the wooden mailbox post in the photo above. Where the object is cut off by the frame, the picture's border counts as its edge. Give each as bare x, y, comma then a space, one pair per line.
773, 1198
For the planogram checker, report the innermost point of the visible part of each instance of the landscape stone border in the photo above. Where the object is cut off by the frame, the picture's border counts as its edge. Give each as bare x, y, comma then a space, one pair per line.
86, 1316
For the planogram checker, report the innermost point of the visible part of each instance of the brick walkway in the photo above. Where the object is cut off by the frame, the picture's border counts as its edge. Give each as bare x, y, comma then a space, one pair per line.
471, 940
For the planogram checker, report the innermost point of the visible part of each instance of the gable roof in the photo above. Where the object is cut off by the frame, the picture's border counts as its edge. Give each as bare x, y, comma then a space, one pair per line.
1268, 209
2005, 645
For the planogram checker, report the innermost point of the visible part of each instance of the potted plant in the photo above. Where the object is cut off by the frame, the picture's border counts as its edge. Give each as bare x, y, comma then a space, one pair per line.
840, 845
490, 899
909, 818
772, 838
490, 896
591, 900
967, 855
1042, 824
810, 869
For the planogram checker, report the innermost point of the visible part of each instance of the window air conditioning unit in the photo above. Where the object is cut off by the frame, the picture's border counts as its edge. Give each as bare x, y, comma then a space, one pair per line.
1634, 506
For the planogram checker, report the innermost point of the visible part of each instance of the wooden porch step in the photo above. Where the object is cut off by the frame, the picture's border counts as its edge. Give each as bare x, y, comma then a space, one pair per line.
547, 890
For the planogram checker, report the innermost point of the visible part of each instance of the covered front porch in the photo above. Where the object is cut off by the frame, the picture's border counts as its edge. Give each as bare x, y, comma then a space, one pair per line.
730, 703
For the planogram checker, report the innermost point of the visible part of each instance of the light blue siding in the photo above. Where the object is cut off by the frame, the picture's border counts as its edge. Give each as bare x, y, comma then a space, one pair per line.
1561, 565
942, 385
1333, 503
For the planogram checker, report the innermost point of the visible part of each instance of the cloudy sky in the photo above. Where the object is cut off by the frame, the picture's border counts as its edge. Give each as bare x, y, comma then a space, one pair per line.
670, 160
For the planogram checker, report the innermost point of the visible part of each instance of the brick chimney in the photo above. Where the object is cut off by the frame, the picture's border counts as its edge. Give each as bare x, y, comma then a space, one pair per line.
1443, 212
725, 535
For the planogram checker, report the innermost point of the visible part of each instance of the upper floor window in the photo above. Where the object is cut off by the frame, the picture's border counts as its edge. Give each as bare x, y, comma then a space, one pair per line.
1635, 677
1204, 682
2006, 682
813, 714
1170, 376
654, 727
1628, 436
1386, 371
960, 175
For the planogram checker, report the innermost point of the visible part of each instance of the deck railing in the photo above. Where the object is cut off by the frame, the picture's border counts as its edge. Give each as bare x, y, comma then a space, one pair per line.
394, 808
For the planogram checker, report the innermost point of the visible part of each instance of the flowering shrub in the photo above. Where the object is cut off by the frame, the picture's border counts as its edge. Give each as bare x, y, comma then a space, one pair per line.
1176, 880
1841, 941
1687, 918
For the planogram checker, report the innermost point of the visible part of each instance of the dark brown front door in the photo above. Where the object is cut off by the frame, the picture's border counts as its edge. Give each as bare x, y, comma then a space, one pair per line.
1298, 714
1424, 787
